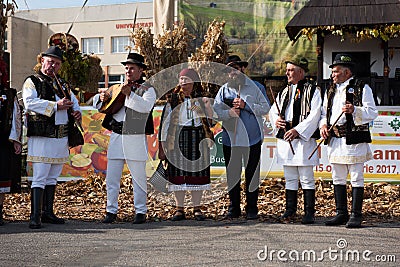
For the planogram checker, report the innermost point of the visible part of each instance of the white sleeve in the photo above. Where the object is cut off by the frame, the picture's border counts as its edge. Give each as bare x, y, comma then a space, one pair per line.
33, 103
367, 112
143, 103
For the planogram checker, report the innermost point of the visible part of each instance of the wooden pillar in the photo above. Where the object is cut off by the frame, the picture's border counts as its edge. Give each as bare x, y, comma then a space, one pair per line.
320, 57
106, 76
386, 70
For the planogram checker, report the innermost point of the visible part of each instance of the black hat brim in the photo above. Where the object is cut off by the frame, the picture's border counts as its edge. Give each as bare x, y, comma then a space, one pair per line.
52, 55
131, 61
291, 62
229, 67
342, 64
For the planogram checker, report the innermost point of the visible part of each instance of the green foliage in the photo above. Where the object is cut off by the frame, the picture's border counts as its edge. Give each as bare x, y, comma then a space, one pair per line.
83, 72
75, 69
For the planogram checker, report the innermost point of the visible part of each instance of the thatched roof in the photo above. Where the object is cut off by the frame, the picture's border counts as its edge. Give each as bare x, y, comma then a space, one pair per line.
344, 12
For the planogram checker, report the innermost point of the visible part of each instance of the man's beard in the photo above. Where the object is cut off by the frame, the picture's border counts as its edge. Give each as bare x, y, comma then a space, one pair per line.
237, 81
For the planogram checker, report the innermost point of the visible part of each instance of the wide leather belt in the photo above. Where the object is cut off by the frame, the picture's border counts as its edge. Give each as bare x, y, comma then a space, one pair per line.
338, 131
61, 131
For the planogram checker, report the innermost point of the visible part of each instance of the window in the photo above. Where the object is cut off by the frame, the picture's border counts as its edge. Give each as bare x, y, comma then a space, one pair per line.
92, 45
112, 79
5, 41
119, 44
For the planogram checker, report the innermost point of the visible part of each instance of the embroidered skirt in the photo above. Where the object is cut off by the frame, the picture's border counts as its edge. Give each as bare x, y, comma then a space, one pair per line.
10, 168
189, 165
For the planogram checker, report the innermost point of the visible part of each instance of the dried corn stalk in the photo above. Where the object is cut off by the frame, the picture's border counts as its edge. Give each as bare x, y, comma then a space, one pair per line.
214, 49
167, 49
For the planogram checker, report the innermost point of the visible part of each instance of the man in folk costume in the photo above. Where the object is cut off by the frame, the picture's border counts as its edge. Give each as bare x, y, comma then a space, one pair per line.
299, 105
129, 120
47, 121
352, 101
10, 139
240, 104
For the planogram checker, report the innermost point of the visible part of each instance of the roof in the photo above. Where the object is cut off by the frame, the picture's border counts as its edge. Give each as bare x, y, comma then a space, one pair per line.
344, 12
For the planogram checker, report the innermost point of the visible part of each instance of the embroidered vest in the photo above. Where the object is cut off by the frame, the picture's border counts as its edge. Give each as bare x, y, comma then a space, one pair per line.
6, 111
301, 110
135, 122
355, 134
38, 124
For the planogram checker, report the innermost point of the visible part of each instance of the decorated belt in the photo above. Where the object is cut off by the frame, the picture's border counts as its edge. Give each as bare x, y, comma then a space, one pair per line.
61, 131
338, 131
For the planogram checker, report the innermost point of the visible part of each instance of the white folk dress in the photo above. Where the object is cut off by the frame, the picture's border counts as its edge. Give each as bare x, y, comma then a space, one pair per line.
133, 146
338, 151
45, 149
304, 145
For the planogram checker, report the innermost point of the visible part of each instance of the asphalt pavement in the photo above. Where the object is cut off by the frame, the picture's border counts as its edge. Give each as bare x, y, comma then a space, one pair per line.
192, 243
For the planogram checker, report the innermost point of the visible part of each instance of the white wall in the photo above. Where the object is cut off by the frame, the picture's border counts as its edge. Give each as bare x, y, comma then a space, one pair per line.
333, 44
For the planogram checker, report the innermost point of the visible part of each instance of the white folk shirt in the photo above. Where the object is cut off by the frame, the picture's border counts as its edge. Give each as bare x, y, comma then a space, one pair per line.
187, 117
132, 146
304, 145
45, 149
338, 151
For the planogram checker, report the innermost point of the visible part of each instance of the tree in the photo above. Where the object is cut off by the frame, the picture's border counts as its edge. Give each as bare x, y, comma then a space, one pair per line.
7, 10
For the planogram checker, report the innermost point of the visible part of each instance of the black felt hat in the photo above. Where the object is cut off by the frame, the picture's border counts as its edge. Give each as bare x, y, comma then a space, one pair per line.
343, 59
235, 60
53, 51
135, 58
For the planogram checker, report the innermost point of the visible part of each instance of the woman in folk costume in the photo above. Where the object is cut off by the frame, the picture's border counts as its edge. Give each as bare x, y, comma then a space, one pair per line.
185, 122
10, 139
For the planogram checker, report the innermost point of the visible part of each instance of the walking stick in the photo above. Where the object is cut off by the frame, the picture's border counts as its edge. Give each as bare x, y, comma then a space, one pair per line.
237, 119
330, 128
279, 112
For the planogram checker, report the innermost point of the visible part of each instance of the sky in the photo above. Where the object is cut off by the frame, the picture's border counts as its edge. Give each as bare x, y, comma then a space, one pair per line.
38, 4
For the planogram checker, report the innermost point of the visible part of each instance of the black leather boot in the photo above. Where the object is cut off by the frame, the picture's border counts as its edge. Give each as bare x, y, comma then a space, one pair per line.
36, 206
110, 218
291, 204
48, 215
342, 214
309, 206
356, 208
1, 215
234, 210
251, 206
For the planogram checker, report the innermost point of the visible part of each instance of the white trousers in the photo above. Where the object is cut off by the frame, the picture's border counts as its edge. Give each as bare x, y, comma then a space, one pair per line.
139, 181
340, 172
45, 174
295, 173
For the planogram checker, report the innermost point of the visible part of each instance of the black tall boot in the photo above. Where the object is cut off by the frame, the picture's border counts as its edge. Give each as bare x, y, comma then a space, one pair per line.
1, 215
356, 208
291, 204
234, 210
251, 205
36, 206
309, 206
342, 214
48, 215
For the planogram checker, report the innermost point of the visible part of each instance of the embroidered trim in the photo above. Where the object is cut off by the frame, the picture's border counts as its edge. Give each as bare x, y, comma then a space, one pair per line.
190, 187
5, 190
350, 159
357, 116
47, 160
49, 109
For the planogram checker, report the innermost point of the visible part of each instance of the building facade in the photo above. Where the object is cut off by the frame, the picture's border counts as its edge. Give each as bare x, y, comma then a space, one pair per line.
103, 30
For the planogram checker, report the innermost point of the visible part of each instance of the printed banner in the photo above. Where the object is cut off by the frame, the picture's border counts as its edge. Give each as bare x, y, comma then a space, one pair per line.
92, 156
